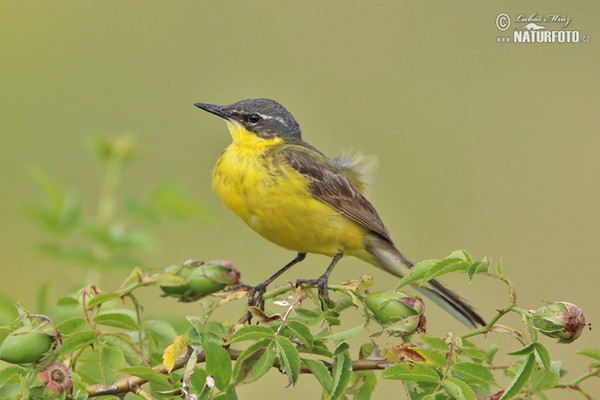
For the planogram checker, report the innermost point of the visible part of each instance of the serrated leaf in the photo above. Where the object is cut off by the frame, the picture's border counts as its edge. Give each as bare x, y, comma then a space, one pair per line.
290, 359
218, 362
251, 332
148, 374
341, 373
102, 298
344, 335
263, 364
248, 358
472, 270
77, 341
523, 351
433, 356
417, 272
462, 255
435, 343
458, 389
444, 267
542, 353
70, 326
593, 353
411, 372
320, 372
301, 332
117, 320
520, 379
111, 359
474, 373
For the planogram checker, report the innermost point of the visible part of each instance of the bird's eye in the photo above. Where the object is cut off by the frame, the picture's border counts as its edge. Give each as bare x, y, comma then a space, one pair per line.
253, 118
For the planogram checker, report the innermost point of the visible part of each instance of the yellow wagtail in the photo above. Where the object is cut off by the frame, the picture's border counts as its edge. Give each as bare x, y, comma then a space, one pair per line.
293, 195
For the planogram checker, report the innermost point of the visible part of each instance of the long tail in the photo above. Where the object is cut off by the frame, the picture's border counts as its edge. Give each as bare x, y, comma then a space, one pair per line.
391, 260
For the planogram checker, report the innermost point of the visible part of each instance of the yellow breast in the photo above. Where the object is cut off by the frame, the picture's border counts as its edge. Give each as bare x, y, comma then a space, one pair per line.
275, 200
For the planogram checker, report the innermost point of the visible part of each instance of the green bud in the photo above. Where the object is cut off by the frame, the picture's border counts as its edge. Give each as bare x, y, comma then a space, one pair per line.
184, 270
560, 320
202, 279
399, 313
213, 277
27, 344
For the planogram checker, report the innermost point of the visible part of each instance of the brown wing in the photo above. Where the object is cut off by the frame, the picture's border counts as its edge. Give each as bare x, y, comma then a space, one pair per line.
328, 184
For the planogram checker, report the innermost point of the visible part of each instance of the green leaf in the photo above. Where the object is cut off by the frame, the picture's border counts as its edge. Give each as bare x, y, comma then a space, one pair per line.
462, 255
417, 272
198, 380
474, 373
160, 332
301, 332
491, 352
543, 379
251, 332
520, 379
435, 343
472, 270
444, 267
593, 353
245, 363
68, 301
69, 213
70, 326
411, 372
542, 353
499, 267
49, 187
263, 364
103, 298
148, 374
523, 351
7, 373
77, 341
343, 335
320, 372
458, 389
436, 357
473, 352
117, 320
341, 373
290, 360
363, 385
218, 362
111, 359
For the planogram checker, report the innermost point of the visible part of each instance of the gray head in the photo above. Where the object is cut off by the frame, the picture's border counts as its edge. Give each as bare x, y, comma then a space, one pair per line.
265, 118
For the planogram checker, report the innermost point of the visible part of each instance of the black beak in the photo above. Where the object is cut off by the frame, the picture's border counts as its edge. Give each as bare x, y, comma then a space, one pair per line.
221, 111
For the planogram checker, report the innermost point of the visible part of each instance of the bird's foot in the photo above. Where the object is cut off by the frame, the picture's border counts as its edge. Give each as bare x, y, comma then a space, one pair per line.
322, 289
255, 296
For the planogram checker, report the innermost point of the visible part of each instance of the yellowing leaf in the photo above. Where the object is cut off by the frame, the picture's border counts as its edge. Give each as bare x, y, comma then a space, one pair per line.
173, 351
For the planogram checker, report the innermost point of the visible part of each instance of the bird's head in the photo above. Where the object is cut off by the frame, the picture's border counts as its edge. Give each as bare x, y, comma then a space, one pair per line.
257, 120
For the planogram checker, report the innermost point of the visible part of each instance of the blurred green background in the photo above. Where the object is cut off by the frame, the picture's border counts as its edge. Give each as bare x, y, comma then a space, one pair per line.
485, 146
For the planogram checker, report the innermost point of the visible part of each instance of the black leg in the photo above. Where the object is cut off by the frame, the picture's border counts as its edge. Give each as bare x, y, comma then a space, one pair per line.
256, 292
321, 281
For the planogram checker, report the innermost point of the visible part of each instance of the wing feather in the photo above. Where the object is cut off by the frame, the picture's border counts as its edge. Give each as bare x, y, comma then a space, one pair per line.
329, 184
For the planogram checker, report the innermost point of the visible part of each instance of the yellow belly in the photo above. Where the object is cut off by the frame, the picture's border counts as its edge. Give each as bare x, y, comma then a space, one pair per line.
275, 201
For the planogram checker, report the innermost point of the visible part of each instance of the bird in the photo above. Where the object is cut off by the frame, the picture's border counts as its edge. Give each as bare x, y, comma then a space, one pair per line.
293, 195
